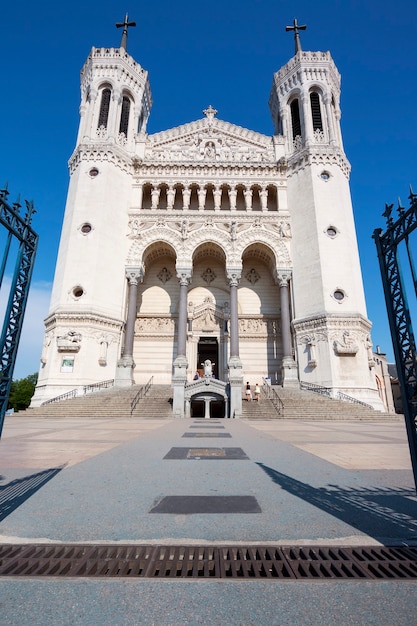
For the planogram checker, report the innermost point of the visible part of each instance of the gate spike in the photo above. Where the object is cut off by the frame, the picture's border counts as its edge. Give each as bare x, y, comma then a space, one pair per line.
5, 191
16, 205
400, 208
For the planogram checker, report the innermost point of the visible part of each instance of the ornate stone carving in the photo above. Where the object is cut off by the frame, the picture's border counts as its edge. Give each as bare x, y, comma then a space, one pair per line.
252, 276
70, 342
209, 140
208, 276
164, 275
158, 325
346, 346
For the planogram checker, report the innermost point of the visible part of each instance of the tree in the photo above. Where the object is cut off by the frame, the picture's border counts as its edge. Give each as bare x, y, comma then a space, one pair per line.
21, 392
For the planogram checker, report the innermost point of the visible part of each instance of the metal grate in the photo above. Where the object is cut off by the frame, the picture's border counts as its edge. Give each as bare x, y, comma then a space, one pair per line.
237, 562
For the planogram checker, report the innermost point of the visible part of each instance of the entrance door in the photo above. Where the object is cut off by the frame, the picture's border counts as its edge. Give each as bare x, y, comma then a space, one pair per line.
208, 348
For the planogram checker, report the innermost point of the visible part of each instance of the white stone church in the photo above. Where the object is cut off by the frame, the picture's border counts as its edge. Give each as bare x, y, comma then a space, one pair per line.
208, 248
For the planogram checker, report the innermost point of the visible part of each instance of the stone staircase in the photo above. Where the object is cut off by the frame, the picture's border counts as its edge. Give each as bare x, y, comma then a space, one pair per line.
114, 402
308, 405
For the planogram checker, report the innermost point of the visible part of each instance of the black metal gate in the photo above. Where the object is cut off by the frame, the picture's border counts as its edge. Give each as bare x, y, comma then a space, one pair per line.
398, 232
19, 228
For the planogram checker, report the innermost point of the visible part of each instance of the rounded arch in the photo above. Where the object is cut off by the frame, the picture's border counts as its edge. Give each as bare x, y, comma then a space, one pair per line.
207, 236
209, 248
151, 240
157, 250
262, 253
270, 245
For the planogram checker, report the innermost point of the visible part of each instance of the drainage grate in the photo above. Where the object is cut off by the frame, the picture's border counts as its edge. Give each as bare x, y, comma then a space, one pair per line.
237, 562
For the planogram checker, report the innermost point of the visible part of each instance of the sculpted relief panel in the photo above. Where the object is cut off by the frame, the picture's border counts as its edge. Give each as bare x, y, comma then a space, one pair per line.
212, 141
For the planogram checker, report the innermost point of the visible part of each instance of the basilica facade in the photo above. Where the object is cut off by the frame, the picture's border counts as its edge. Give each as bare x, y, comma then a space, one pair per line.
208, 243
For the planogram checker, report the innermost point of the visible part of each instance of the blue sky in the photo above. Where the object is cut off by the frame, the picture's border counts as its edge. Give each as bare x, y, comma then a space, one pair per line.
200, 53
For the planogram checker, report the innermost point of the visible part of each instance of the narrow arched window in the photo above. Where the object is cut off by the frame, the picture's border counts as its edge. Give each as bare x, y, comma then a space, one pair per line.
316, 111
295, 119
124, 117
104, 108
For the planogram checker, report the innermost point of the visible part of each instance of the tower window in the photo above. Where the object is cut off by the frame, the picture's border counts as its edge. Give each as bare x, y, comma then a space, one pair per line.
315, 111
124, 117
104, 108
295, 119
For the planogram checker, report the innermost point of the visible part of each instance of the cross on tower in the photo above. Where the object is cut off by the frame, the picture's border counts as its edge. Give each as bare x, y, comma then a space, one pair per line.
296, 28
125, 25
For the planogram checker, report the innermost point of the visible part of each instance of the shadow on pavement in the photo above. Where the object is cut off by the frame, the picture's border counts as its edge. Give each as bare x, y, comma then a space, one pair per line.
18, 491
378, 512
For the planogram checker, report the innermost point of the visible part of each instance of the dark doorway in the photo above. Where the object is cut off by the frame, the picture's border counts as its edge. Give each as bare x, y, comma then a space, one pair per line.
208, 348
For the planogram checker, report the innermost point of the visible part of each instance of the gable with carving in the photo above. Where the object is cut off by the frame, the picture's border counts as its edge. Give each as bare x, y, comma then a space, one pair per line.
209, 140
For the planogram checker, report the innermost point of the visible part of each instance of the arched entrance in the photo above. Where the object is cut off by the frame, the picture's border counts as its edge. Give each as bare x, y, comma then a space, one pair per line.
208, 348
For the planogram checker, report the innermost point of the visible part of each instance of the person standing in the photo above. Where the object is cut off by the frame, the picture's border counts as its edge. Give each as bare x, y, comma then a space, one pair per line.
257, 392
248, 392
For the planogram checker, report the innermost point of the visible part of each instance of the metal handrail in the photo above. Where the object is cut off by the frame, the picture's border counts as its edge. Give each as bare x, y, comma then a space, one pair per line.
339, 395
272, 395
74, 392
140, 394
65, 396
105, 384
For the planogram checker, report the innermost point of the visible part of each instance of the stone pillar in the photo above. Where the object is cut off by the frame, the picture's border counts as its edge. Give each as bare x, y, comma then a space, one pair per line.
202, 192
217, 195
308, 121
179, 378
329, 116
289, 367
87, 112
170, 197
126, 364
155, 193
186, 196
232, 198
248, 199
235, 364
263, 196
138, 198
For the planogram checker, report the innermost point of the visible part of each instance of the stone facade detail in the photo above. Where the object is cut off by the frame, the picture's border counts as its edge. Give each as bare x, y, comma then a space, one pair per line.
208, 242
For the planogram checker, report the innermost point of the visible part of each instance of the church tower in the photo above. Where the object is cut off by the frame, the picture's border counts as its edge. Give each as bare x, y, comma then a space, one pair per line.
331, 331
87, 310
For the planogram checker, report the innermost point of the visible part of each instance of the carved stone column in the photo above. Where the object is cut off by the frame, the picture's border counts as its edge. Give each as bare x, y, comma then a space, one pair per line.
217, 195
263, 196
232, 198
155, 194
235, 364
170, 197
202, 192
308, 122
186, 196
329, 117
289, 366
248, 199
180, 363
126, 364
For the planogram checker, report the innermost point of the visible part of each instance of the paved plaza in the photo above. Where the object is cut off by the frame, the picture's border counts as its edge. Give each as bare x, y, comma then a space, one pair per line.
188, 482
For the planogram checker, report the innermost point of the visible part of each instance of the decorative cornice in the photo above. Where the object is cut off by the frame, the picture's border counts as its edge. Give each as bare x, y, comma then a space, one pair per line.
79, 319
327, 322
98, 153
318, 155
270, 173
